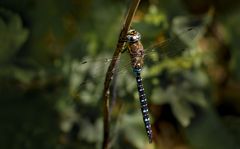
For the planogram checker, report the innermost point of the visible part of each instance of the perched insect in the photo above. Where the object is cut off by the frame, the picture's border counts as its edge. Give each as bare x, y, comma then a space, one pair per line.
138, 54
136, 51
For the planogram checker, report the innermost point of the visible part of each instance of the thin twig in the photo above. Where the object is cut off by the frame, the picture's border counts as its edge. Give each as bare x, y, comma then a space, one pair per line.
110, 71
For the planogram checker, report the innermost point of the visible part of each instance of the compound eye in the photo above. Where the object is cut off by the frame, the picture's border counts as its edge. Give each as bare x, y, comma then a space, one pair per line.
133, 36
130, 38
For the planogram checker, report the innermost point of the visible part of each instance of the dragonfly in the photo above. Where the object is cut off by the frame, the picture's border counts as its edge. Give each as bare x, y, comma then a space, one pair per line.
136, 51
138, 54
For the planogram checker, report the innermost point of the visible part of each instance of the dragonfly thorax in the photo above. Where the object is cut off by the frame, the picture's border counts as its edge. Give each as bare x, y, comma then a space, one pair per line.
133, 36
135, 49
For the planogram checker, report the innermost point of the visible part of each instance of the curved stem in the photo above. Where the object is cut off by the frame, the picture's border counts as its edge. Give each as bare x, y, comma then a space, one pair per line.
110, 71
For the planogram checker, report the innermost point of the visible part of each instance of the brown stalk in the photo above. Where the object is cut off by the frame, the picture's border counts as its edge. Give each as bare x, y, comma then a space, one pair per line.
110, 72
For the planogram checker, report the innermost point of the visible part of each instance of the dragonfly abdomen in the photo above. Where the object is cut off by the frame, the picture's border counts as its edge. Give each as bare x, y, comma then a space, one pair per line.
143, 103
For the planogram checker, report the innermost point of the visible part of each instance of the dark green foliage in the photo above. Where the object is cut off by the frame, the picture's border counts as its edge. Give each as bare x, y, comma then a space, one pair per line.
46, 103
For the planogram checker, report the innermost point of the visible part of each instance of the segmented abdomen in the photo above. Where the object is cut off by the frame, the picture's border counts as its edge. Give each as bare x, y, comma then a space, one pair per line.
144, 106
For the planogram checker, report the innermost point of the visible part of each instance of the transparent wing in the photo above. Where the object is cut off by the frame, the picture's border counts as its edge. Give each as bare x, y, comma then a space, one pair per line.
173, 46
90, 72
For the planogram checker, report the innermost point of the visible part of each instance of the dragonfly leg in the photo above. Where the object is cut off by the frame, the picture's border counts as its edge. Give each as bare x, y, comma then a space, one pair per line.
124, 49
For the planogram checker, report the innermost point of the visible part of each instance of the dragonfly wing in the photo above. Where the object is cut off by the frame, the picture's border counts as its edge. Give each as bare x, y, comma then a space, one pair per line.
93, 70
173, 46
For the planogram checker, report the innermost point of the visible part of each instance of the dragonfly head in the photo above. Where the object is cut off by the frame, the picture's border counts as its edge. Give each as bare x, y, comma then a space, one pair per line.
133, 36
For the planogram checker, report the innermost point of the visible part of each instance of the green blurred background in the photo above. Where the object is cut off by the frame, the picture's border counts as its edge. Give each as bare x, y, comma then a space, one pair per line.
194, 98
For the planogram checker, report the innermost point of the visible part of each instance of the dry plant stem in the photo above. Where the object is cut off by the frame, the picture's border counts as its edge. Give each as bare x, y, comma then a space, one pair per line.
110, 71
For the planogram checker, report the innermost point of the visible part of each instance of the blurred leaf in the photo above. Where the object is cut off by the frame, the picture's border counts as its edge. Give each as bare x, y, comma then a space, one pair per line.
182, 111
154, 16
12, 34
183, 95
207, 123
